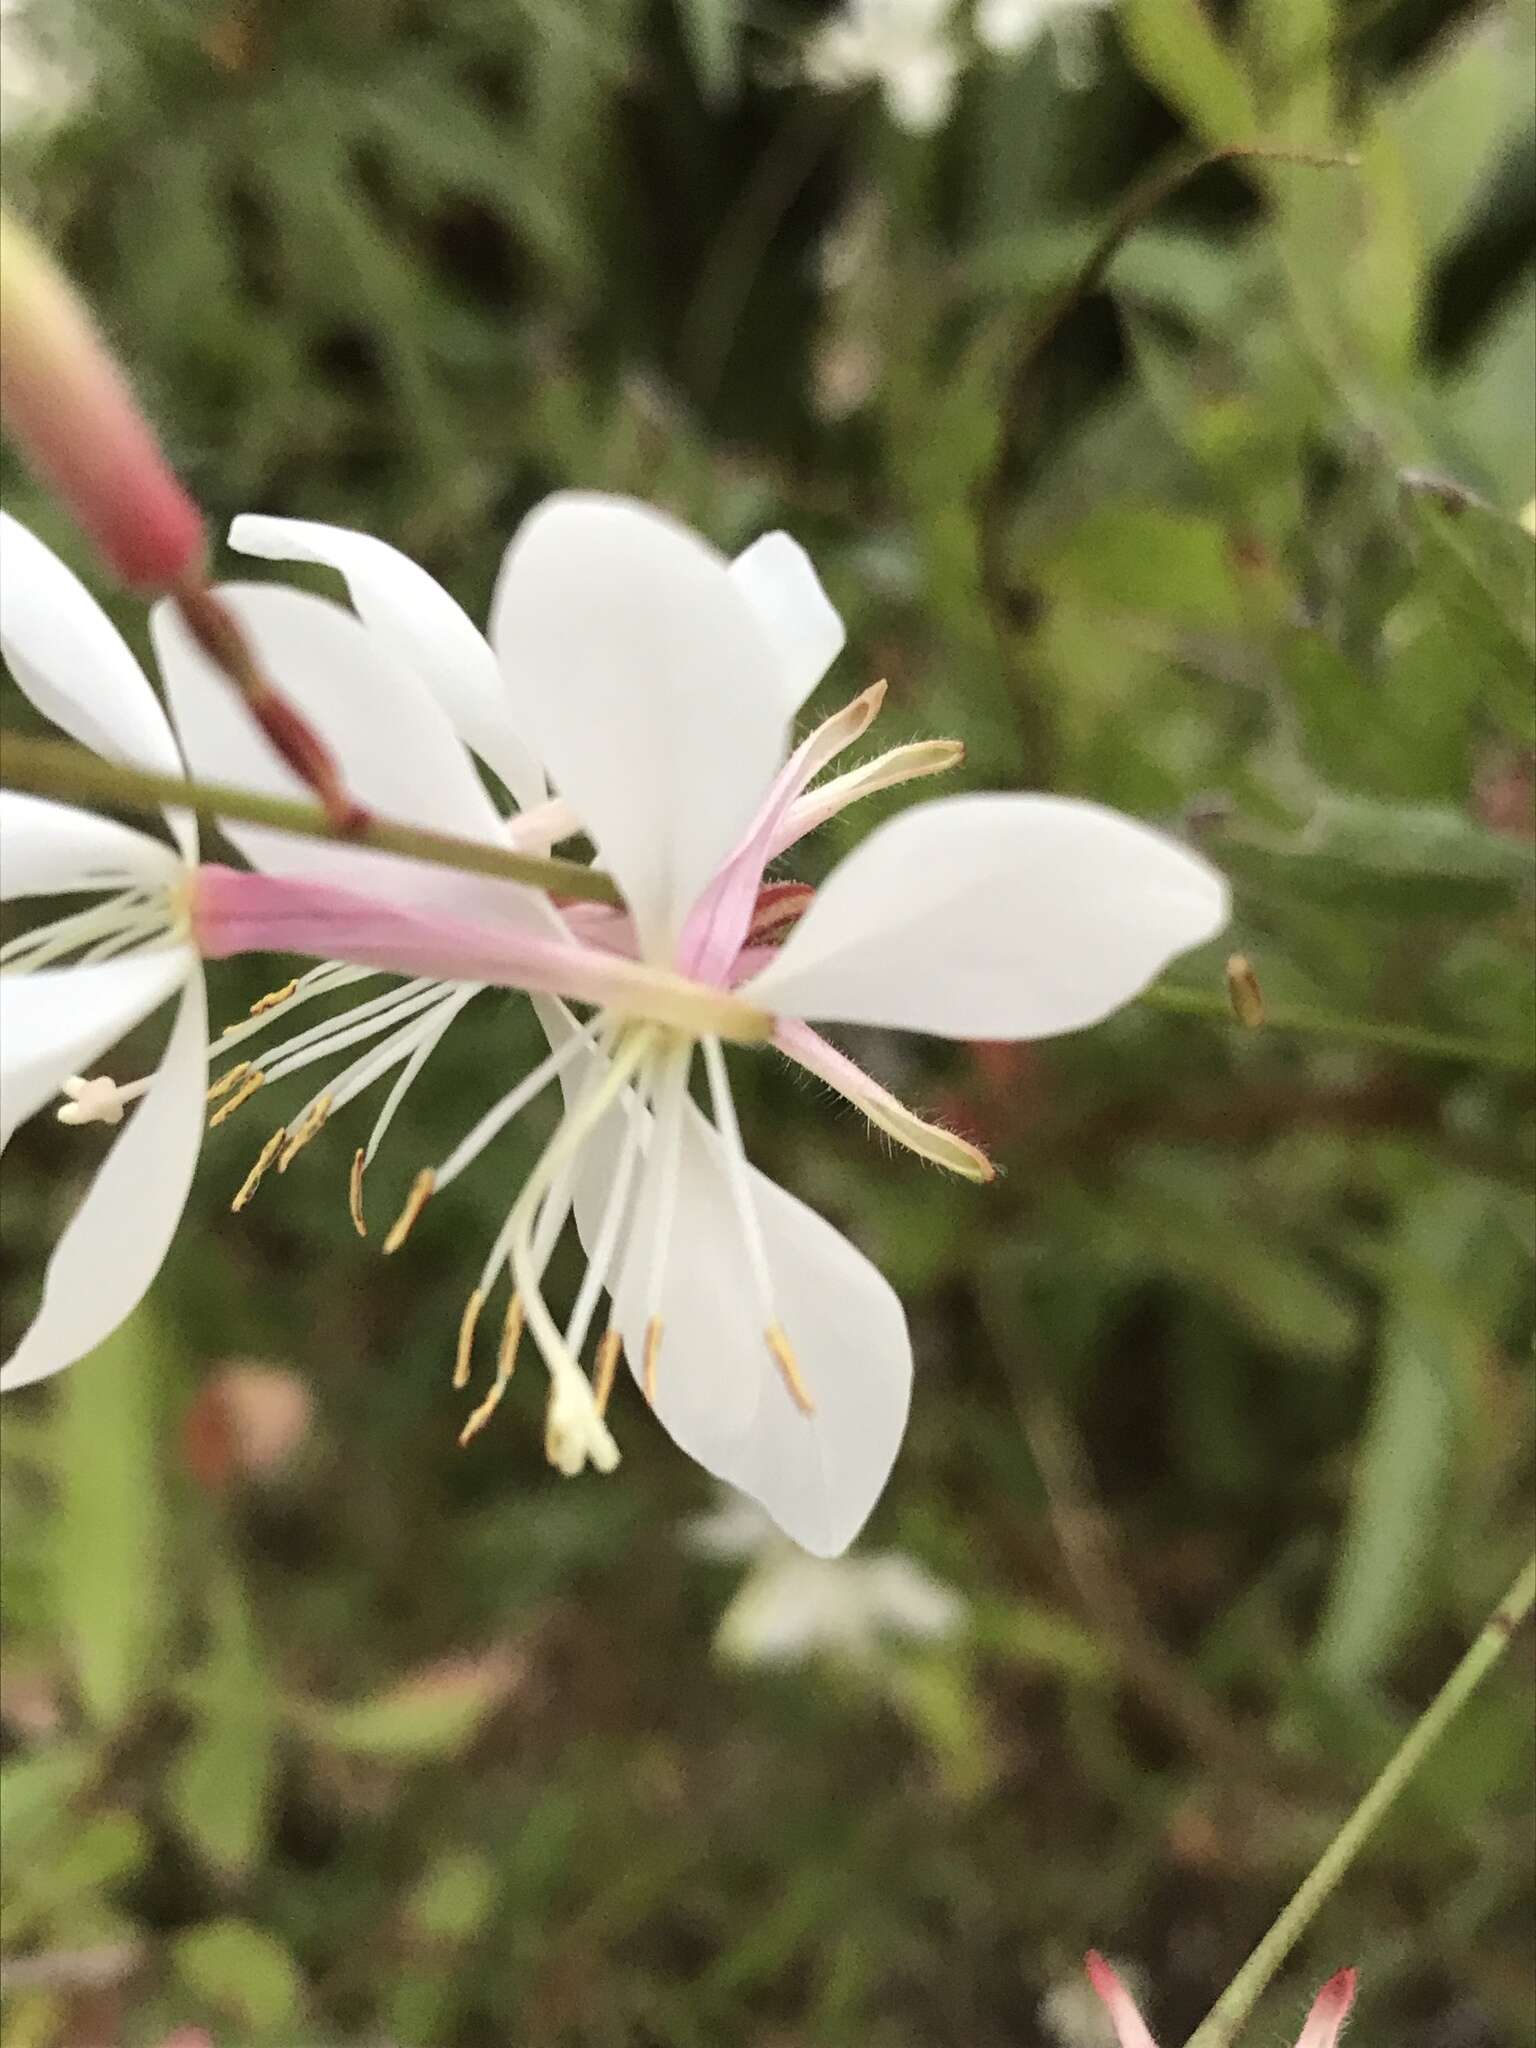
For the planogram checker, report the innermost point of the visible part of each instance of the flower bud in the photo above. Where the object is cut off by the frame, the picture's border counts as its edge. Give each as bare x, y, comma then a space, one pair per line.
73, 414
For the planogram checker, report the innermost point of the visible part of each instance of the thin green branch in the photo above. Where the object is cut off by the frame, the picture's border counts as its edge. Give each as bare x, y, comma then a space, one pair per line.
55, 769
1413, 1038
1220, 2027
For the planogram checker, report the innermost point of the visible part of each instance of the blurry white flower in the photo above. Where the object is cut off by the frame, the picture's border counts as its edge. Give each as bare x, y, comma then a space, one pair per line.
40, 80
903, 46
1010, 27
791, 1608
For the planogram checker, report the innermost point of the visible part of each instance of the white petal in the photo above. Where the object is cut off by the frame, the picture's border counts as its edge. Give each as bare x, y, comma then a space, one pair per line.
113, 1246
994, 917
718, 1391
411, 612
655, 698
920, 89
59, 1020
776, 578
74, 665
397, 752
1010, 26
48, 848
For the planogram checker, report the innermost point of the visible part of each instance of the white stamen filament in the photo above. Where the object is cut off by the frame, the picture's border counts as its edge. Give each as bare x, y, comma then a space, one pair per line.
349, 1029
323, 980
431, 1036
671, 1094
501, 1113
736, 1173
600, 1261
134, 917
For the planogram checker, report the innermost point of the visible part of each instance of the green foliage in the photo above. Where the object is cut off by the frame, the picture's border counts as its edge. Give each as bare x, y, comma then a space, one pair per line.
1222, 1424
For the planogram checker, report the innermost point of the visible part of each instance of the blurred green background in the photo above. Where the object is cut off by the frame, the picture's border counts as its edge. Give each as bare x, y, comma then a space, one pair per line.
319, 1731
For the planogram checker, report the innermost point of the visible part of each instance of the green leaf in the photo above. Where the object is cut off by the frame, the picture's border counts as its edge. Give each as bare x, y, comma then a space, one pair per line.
1167, 565
1397, 860
712, 33
108, 1538
1430, 1347
1180, 55
434, 1713
240, 1970
91, 1856
454, 1898
1479, 569
220, 1786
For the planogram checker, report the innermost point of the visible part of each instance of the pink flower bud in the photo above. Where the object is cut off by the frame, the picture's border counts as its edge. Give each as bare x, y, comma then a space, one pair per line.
72, 412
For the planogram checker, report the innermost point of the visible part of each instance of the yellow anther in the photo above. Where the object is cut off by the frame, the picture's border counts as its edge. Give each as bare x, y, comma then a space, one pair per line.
467, 1322
311, 1125
649, 1357
784, 1359
609, 1352
272, 1001
257, 1174
355, 1192
1244, 993
506, 1359
227, 1081
248, 1086
415, 1202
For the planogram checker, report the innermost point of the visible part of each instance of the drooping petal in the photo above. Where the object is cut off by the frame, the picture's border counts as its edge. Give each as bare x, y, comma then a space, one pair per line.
396, 750
718, 1391
1326, 2020
994, 917
410, 611
72, 663
59, 1020
114, 1244
777, 579
655, 698
48, 849
1131, 2029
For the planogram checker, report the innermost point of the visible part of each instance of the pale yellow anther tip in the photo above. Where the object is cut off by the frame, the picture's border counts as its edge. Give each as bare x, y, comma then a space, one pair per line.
605, 1370
466, 1344
355, 1192
248, 1086
789, 1368
649, 1358
415, 1202
1244, 993
229, 1079
270, 1002
257, 1174
511, 1338
310, 1128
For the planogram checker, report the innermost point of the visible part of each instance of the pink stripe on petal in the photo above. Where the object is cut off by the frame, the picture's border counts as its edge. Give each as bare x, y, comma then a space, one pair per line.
237, 912
1130, 2028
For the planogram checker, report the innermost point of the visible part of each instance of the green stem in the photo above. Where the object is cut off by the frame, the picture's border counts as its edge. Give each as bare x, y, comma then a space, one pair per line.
1443, 1045
55, 769
1235, 2004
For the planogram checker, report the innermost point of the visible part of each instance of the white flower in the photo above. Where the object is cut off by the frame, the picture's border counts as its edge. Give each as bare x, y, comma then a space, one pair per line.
656, 682
791, 1608
903, 46
42, 78
1010, 27
135, 951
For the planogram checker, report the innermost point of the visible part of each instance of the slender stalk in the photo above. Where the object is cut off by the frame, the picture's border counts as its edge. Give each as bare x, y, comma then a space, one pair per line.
1235, 2004
55, 769
1443, 1045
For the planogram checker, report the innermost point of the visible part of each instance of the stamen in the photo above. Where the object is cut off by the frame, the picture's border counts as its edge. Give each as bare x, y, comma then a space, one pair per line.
227, 1081
789, 1369
312, 1125
257, 1174
252, 1081
323, 980
276, 998
355, 1193
506, 1362
415, 1202
427, 1039
609, 1351
650, 1356
467, 1322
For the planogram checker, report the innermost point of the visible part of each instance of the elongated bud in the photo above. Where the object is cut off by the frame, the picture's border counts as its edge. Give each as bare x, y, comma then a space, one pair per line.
73, 414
